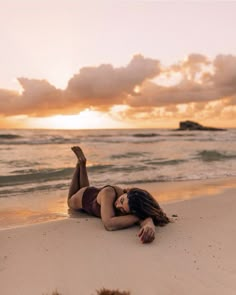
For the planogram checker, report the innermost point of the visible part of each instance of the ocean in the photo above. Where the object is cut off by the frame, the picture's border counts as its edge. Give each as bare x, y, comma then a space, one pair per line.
37, 165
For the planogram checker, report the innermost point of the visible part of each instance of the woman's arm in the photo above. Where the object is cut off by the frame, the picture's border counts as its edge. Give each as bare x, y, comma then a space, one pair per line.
120, 222
110, 221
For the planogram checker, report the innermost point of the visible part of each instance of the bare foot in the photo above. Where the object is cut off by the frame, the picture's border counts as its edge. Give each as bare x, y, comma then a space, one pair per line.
79, 154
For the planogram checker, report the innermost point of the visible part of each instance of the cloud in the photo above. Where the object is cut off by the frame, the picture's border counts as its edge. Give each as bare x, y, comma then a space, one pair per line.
185, 92
38, 97
91, 87
198, 84
207, 88
8, 100
225, 74
192, 64
104, 85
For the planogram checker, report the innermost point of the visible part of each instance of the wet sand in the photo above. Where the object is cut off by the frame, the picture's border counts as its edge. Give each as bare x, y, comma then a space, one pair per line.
38, 207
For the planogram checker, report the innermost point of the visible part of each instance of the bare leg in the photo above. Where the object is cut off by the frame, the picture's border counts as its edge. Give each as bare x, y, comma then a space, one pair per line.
74, 185
80, 176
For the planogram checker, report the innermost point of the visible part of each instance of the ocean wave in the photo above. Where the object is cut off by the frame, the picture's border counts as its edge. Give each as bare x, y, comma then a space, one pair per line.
140, 181
137, 138
20, 163
160, 178
106, 140
9, 136
146, 134
100, 168
129, 169
36, 188
33, 175
148, 141
201, 139
101, 135
114, 168
182, 135
40, 142
128, 155
71, 141
213, 155
25, 176
112, 141
164, 162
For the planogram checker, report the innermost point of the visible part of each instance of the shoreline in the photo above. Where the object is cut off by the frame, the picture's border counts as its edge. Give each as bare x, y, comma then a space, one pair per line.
47, 208
195, 254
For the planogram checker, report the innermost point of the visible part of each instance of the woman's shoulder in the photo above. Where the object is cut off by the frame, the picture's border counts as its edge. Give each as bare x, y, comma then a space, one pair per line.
119, 191
106, 190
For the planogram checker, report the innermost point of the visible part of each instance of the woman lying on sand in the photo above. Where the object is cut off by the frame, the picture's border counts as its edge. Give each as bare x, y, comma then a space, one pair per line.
118, 208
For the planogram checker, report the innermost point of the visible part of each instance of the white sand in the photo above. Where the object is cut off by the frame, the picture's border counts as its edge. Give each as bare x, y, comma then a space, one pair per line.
194, 255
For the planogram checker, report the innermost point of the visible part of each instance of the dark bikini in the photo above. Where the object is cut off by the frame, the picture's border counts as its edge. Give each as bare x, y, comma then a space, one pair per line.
89, 200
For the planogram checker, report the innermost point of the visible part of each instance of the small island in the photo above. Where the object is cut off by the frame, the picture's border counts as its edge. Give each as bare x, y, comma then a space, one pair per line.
191, 125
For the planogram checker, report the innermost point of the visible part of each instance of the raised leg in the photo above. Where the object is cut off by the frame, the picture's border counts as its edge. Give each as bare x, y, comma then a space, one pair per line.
80, 176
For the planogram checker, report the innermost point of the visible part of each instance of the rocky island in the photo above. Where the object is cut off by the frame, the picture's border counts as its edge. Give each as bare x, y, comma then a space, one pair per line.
190, 125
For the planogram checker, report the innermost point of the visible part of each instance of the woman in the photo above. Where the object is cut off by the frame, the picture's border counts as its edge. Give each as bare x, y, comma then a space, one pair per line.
116, 207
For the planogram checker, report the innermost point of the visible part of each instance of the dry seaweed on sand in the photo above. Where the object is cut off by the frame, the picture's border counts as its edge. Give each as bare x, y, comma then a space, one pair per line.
103, 291
55, 293
112, 292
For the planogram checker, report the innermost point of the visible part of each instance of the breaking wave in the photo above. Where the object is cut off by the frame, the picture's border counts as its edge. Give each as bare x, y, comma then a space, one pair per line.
145, 135
213, 155
9, 136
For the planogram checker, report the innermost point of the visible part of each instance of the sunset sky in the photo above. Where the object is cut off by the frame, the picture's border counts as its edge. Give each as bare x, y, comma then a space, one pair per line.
117, 64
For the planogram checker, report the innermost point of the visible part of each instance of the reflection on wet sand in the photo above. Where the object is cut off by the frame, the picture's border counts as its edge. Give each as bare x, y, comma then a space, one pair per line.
184, 190
40, 208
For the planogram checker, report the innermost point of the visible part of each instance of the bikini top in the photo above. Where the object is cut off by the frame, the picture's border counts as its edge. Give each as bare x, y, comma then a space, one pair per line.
89, 200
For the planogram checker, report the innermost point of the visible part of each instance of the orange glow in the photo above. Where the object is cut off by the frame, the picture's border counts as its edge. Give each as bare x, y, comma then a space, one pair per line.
123, 116
137, 89
87, 119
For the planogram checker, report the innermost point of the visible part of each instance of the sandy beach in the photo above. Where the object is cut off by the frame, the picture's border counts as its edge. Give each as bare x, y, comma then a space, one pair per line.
193, 255
137, 94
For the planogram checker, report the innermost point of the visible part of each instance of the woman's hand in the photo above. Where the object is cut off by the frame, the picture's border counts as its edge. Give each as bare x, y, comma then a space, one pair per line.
147, 232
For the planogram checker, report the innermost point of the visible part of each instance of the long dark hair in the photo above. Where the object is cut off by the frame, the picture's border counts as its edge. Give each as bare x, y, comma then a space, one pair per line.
143, 205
